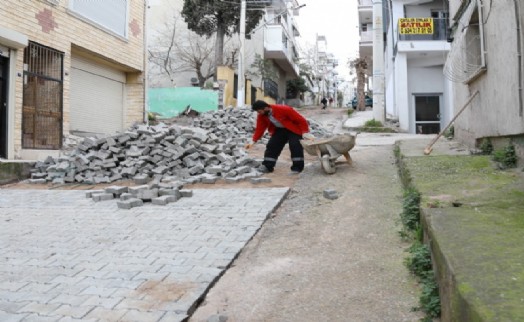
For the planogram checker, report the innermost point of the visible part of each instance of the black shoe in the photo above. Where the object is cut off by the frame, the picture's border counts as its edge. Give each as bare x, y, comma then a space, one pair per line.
263, 169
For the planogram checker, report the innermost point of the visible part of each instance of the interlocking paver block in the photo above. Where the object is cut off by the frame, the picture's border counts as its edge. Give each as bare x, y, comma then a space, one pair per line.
186, 193
163, 200
103, 196
130, 203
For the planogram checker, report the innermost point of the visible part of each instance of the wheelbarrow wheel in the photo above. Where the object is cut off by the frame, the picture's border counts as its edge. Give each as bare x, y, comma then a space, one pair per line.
327, 164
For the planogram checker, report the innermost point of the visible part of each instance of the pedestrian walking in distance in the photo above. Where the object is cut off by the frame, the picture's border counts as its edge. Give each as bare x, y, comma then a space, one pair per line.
324, 103
285, 125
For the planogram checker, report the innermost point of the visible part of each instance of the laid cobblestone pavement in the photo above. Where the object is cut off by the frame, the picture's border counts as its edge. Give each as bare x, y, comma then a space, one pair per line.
65, 257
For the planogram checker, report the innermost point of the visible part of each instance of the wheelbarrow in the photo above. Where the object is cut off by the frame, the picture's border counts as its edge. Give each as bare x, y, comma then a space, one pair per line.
330, 149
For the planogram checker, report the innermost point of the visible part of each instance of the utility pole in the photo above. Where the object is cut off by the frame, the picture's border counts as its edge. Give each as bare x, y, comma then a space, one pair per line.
241, 89
379, 113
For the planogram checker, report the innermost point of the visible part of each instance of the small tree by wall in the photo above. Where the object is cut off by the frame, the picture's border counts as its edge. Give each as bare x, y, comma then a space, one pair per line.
360, 65
296, 87
264, 69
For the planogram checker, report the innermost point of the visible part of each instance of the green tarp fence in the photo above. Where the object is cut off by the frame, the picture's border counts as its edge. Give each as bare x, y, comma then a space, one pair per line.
169, 102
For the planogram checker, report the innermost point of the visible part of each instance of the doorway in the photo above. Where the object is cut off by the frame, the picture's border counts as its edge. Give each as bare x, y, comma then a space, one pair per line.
4, 66
427, 114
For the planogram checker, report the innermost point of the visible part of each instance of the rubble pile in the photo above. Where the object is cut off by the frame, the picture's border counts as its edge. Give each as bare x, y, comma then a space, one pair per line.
161, 152
211, 149
229, 123
240, 123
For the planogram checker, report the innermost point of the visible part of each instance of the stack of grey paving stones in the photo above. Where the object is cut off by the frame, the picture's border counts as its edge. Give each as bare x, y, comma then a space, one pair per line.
219, 123
213, 148
145, 153
131, 197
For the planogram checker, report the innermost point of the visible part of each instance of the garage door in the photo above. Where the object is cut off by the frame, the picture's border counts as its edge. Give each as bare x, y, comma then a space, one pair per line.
96, 97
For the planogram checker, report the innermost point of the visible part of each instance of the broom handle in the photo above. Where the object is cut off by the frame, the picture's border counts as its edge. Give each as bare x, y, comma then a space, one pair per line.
452, 120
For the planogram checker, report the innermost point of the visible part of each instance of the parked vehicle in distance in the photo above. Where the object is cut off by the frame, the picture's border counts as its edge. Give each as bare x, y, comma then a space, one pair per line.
368, 101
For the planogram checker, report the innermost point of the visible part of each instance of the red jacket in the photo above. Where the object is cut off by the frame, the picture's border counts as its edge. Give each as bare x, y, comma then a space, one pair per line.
286, 115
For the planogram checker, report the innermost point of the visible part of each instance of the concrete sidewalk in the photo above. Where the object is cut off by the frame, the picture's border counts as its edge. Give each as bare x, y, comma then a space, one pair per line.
358, 119
66, 257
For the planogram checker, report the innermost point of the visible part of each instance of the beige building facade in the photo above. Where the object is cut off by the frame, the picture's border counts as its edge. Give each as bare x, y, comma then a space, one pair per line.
67, 66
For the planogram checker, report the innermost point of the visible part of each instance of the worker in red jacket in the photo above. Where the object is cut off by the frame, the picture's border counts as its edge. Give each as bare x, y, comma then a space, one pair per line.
285, 125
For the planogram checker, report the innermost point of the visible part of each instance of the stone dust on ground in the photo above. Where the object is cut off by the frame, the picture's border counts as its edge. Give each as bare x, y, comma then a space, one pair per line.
324, 260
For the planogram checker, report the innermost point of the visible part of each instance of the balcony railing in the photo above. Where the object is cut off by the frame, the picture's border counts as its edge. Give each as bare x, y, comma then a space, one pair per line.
439, 32
366, 37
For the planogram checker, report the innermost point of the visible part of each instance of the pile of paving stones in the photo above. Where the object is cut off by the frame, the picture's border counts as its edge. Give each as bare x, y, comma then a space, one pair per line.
220, 123
159, 194
211, 149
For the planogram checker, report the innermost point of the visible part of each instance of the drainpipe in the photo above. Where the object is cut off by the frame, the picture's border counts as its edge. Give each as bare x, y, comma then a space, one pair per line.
378, 63
519, 55
241, 89
392, 45
145, 73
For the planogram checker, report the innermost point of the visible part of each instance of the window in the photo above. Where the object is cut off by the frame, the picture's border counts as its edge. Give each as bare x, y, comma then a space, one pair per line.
271, 88
111, 15
466, 59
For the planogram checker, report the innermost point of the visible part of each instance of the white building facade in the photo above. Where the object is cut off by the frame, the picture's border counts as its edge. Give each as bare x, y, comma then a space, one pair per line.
417, 93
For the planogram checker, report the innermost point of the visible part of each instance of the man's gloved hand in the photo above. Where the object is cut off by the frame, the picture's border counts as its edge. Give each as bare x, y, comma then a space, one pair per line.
308, 136
248, 145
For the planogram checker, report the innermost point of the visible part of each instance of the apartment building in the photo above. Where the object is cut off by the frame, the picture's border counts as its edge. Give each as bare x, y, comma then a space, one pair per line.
365, 30
273, 40
417, 93
279, 31
67, 66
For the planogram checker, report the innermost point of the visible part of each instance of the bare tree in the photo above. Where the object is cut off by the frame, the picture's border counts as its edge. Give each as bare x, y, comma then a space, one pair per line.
360, 65
178, 49
309, 69
161, 55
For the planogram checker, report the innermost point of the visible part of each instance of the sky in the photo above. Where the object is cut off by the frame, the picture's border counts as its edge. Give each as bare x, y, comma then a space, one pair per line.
335, 19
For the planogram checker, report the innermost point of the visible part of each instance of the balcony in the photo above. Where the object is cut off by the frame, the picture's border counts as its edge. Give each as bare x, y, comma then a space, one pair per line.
423, 40
366, 43
365, 11
279, 48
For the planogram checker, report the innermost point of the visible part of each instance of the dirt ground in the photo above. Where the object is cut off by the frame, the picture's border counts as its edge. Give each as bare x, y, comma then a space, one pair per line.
317, 259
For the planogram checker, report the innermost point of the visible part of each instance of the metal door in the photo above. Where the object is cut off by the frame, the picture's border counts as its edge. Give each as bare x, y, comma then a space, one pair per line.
42, 98
427, 114
4, 64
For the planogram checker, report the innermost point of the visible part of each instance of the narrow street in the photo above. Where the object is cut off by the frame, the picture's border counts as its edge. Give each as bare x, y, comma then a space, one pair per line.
325, 260
274, 251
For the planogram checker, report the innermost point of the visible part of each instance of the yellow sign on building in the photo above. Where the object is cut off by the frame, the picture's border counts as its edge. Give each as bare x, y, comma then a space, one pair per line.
415, 26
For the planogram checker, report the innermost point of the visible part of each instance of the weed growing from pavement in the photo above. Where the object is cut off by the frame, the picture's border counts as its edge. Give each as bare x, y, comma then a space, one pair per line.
430, 299
411, 209
486, 147
373, 123
506, 157
450, 133
419, 259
